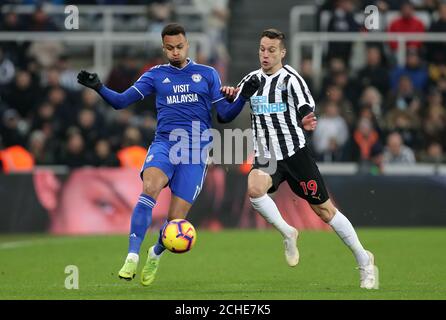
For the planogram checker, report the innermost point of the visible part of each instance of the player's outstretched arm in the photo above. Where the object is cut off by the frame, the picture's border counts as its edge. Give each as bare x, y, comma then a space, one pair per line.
228, 111
115, 99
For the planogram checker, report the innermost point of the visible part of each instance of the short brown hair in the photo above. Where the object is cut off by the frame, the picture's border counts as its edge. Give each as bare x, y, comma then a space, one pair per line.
173, 29
274, 34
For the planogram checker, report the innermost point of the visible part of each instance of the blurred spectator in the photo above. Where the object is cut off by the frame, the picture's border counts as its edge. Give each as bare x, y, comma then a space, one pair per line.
66, 113
430, 5
37, 145
73, 153
335, 65
376, 159
46, 52
103, 156
433, 154
348, 87
374, 166
374, 72
364, 138
396, 152
407, 22
50, 79
342, 20
338, 76
436, 51
132, 154
155, 57
34, 70
13, 129
407, 125
306, 72
414, 69
160, 13
15, 50
330, 135
434, 124
11, 22
44, 121
366, 112
124, 74
89, 129
393, 5
92, 101
40, 21
437, 78
7, 71
387, 5
23, 95
68, 75
372, 99
148, 127
132, 137
335, 95
44, 114
216, 14
118, 124
406, 98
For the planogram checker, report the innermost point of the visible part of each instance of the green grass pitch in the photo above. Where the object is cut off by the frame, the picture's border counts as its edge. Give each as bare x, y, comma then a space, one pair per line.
232, 264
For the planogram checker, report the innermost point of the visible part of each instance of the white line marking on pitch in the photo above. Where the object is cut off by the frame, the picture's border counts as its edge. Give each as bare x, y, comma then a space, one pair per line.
30, 243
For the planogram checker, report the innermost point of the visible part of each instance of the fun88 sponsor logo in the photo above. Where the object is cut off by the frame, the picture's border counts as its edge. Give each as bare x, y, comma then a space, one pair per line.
260, 105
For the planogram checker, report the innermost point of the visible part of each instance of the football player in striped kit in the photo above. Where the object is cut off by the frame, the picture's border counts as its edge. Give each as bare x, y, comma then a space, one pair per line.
281, 108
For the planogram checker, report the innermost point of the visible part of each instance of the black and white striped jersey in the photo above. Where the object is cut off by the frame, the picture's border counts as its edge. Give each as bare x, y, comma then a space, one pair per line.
274, 112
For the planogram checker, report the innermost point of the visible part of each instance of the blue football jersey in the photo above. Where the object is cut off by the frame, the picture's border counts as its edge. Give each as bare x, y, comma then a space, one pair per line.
184, 98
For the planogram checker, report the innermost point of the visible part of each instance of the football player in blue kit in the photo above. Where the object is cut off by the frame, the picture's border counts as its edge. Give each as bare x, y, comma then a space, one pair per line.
185, 93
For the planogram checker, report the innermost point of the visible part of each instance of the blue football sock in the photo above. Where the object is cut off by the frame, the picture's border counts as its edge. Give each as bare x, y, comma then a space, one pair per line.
159, 247
141, 220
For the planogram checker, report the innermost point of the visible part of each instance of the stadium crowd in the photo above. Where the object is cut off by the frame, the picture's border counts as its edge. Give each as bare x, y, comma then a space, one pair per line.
381, 113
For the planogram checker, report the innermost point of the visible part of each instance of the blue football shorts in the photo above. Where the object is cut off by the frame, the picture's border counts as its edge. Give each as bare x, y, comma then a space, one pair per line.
185, 179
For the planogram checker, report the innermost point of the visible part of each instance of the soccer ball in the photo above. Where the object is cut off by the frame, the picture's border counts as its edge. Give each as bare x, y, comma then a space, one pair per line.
179, 236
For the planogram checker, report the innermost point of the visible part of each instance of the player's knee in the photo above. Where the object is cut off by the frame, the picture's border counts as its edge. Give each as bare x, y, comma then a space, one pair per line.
256, 191
324, 212
152, 189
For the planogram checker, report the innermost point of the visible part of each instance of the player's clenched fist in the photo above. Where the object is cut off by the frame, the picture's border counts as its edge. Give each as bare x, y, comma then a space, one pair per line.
250, 87
229, 92
90, 80
309, 122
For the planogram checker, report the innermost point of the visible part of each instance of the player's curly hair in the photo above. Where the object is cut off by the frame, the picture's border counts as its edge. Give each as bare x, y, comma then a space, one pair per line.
173, 29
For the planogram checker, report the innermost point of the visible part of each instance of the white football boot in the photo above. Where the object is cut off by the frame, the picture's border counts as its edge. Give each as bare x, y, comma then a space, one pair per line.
291, 252
368, 274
